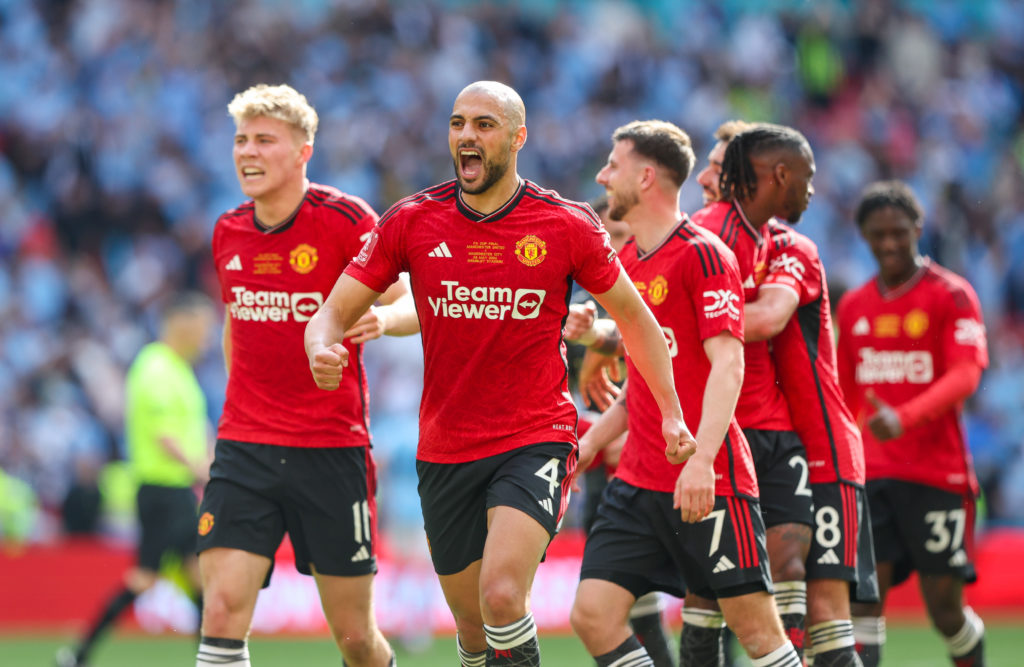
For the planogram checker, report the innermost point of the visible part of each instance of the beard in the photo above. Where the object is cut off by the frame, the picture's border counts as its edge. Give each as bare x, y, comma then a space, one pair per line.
623, 204
493, 171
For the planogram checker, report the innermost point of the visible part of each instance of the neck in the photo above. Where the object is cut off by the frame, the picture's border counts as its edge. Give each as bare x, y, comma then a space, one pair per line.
177, 346
757, 214
274, 208
494, 197
651, 222
894, 280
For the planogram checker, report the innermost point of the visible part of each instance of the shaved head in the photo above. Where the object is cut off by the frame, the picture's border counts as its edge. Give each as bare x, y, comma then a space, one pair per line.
507, 98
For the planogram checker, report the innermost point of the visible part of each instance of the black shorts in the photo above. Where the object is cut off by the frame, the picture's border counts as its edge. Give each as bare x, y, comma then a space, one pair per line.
640, 542
841, 545
323, 497
783, 488
167, 523
455, 498
923, 528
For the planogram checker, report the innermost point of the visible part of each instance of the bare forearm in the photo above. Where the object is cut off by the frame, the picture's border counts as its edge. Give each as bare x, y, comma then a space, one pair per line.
643, 338
720, 396
612, 423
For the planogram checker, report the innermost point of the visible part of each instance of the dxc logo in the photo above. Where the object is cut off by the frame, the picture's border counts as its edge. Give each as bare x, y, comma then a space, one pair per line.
721, 302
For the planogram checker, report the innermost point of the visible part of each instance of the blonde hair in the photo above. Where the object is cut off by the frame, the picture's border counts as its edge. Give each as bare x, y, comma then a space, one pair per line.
281, 102
730, 128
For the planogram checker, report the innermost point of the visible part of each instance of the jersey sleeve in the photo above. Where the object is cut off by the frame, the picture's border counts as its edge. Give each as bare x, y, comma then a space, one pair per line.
363, 228
964, 331
596, 264
215, 247
794, 269
378, 263
718, 292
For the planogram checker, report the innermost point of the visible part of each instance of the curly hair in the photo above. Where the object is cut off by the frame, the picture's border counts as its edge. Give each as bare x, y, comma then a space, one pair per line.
883, 194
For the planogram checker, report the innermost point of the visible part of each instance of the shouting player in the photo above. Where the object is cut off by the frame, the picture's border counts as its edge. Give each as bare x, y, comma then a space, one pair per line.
491, 258
289, 457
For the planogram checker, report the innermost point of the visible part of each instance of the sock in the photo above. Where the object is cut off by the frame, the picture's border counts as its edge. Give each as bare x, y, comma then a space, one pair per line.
791, 601
468, 659
700, 643
115, 606
966, 646
832, 644
869, 635
645, 618
223, 652
784, 656
809, 656
629, 653
513, 645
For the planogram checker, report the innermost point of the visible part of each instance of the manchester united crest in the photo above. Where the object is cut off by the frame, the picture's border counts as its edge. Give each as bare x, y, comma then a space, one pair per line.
915, 323
303, 258
530, 250
205, 523
657, 291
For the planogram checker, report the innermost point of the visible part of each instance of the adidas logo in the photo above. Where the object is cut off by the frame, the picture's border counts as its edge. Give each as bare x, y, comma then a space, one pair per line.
829, 558
548, 505
861, 327
234, 264
749, 283
958, 559
362, 554
440, 251
724, 565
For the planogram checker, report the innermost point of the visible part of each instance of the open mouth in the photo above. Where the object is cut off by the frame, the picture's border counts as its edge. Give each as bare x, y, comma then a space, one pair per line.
471, 163
249, 173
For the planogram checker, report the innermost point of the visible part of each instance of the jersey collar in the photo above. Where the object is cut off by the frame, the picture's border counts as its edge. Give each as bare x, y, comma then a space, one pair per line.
476, 216
898, 291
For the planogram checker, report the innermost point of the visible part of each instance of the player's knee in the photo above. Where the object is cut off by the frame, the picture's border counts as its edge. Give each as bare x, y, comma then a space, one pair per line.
947, 618
757, 637
586, 620
222, 613
790, 568
502, 601
357, 645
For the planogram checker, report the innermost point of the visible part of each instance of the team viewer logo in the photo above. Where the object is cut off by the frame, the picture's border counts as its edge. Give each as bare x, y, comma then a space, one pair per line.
530, 250
527, 304
205, 523
303, 258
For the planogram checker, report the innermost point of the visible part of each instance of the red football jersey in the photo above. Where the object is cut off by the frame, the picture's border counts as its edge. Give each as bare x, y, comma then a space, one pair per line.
898, 342
492, 293
691, 282
805, 359
272, 281
761, 404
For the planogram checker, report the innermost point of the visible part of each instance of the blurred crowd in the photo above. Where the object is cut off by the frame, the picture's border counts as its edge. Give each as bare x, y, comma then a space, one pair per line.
115, 161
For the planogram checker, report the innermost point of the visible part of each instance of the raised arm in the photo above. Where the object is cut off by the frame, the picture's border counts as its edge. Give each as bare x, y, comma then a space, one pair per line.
325, 331
396, 316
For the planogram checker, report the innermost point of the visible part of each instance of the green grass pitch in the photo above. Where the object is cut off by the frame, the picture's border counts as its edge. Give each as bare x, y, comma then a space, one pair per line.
909, 646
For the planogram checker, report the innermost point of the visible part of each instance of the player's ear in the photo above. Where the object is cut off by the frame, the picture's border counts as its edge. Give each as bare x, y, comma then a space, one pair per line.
305, 153
781, 174
518, 138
